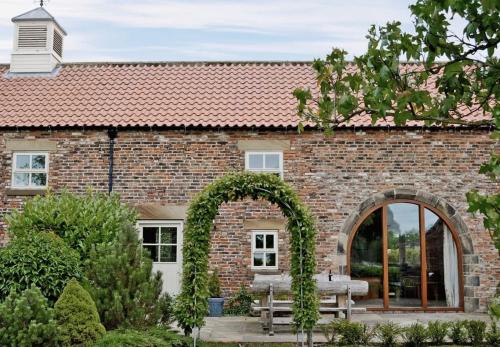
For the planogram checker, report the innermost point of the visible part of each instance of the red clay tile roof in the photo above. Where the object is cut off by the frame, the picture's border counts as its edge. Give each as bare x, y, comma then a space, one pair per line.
158, 94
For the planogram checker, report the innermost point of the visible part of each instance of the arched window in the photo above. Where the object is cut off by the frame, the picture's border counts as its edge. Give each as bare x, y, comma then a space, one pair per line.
410, 257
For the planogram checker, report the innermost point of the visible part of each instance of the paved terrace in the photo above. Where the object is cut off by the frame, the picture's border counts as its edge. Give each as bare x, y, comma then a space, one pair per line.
248, 329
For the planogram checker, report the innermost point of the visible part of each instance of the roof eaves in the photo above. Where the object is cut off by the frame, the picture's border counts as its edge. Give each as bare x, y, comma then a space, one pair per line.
41, 15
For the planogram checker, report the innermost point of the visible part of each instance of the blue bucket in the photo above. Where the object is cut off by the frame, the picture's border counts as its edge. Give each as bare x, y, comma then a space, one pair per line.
215, 307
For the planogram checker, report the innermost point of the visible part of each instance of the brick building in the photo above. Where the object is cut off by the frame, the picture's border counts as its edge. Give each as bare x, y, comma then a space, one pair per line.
388, 201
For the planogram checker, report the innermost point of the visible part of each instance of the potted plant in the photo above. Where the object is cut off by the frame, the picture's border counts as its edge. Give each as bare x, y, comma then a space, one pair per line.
215, 300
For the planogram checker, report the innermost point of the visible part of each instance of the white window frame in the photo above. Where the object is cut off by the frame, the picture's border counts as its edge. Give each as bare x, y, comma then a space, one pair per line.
162, 223
30, 171
265, 250
263, 153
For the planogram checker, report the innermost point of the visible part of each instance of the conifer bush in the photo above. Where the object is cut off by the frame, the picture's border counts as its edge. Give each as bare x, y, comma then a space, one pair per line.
38, 258
77, 316
26, 319
120, 280
80, 220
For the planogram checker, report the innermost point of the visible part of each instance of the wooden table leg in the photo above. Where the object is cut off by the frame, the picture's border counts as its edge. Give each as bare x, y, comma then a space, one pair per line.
341, 302
271, 313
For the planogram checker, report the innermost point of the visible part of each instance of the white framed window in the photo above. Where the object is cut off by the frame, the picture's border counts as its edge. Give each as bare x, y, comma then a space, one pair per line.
30, 170
162, 240
264, 161
265, 249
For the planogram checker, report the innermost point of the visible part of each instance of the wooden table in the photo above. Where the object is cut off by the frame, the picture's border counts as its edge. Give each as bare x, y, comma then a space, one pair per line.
341, 287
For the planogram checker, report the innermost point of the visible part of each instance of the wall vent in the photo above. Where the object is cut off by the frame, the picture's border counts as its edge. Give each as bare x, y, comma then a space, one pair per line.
31, 36
58, 43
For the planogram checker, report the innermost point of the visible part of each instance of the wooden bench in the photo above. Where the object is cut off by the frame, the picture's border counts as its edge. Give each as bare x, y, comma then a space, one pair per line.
339, 305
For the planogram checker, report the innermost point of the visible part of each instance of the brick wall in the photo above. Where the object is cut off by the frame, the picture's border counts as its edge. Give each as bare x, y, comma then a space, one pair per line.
333, 176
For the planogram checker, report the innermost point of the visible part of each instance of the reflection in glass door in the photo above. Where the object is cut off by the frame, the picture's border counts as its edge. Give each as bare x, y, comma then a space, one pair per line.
403, 251
366, 260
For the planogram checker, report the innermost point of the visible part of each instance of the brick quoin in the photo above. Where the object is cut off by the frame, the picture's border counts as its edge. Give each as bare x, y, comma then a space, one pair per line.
333, 175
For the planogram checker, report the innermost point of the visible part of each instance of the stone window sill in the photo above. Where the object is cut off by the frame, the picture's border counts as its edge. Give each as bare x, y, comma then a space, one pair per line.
267, 271
24, 192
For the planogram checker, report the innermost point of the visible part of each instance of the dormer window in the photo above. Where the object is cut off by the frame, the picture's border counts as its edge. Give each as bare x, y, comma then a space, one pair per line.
30, 170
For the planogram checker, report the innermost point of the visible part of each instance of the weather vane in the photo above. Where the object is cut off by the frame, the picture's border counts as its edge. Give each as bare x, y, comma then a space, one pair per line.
42, 2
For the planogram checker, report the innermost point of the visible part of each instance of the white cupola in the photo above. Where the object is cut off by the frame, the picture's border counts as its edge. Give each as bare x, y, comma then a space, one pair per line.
38, 42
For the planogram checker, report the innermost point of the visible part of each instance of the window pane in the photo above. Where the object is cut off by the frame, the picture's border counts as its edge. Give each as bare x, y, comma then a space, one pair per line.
270, 259
23, 161
258, 259
150, 235
39, 179
259, 241
153, 252
169, 235
21, 179
404, 255
38, 162
270, 241
272, 161
168, 254
255, 161
442, 263
367, 260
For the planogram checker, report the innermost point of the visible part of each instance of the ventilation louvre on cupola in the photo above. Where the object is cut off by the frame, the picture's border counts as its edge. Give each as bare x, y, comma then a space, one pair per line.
58, 43
31, 36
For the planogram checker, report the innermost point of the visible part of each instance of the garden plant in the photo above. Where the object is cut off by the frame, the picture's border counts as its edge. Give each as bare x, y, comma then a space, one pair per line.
192, 303
77, 317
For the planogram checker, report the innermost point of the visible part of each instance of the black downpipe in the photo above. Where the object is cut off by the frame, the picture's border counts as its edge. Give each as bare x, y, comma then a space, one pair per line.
112, 133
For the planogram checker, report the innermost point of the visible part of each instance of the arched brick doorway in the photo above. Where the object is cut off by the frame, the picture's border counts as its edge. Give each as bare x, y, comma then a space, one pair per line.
411, 266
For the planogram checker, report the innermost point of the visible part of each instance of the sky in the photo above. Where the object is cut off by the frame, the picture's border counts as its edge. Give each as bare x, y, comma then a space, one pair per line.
208, 30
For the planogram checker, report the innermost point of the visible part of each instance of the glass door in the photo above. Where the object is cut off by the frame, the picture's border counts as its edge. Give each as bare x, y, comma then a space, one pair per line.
409, 257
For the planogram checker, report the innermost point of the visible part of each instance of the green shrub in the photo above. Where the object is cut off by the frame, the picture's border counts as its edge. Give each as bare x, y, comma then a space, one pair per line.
494, 308
77, 316
42, 259
388, 333
438, 331
153, 337
457, 332
368, 334
240, 304
166, 306
27, 320
493, 335
415, 335
120, 281
476, 330
81, 221
344, 332
214, 285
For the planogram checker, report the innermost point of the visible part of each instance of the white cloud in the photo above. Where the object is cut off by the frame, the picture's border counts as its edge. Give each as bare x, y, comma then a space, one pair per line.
291, 27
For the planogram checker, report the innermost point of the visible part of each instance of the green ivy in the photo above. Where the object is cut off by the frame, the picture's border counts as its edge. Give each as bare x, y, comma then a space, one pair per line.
192, 303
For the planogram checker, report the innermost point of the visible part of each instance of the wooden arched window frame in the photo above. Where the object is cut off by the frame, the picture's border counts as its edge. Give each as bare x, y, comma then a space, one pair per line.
423, 259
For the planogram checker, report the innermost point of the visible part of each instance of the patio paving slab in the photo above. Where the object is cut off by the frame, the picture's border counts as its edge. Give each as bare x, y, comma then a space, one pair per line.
249, 329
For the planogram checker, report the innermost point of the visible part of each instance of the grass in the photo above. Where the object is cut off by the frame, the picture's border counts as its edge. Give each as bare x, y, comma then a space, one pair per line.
163, 337
215, 344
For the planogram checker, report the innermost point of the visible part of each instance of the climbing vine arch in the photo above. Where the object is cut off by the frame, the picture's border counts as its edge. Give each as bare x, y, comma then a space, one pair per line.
192, 303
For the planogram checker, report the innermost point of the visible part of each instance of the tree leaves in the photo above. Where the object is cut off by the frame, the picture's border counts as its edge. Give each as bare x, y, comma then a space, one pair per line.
462, 67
